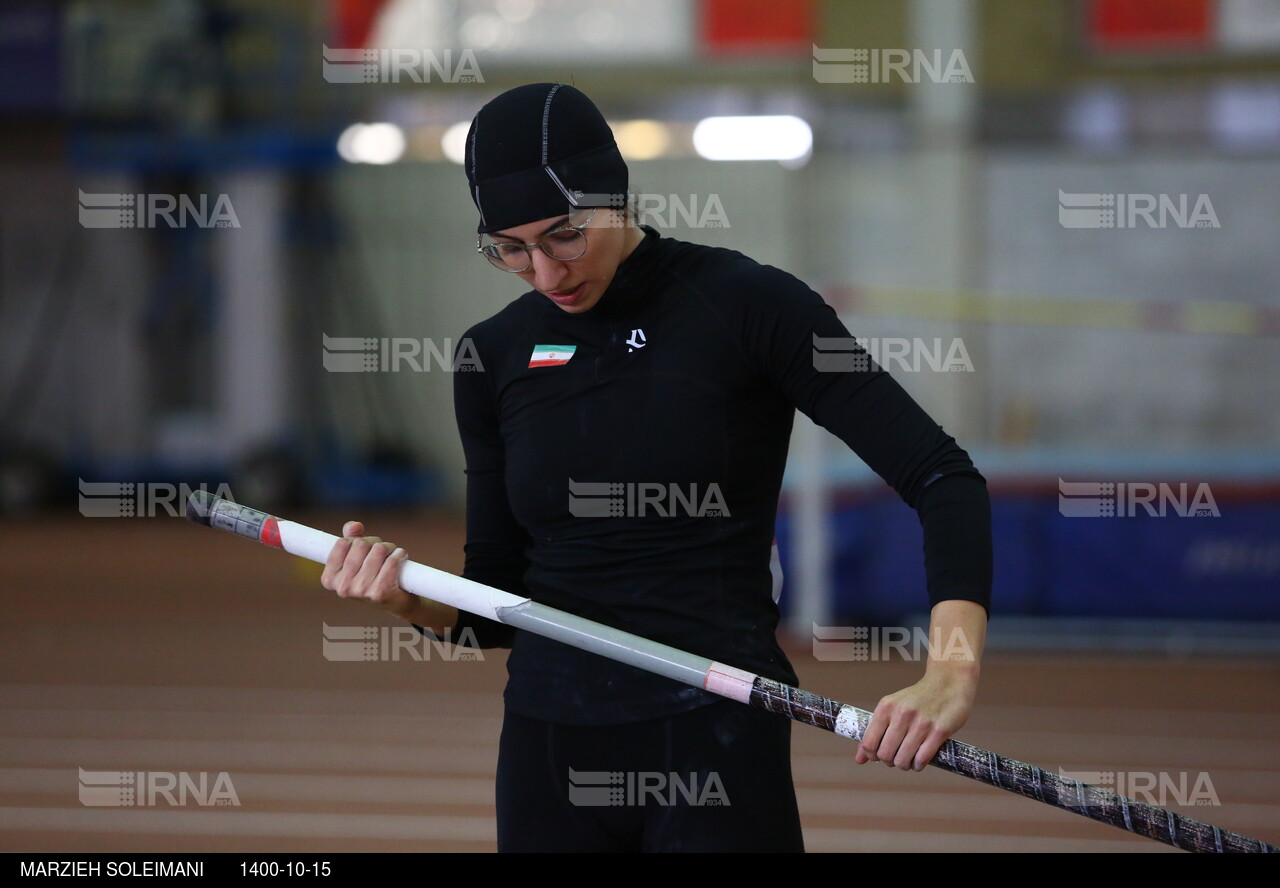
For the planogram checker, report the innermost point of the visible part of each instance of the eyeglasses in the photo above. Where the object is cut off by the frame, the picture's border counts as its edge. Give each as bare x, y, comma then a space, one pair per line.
563, 244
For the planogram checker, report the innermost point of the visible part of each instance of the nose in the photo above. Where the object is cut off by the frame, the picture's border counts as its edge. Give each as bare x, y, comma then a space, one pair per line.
547, 272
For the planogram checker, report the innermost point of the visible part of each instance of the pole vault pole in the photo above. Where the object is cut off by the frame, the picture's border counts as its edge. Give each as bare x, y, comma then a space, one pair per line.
987, 767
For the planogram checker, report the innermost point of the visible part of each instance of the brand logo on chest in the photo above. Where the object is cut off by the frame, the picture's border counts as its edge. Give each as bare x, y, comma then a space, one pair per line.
637, 341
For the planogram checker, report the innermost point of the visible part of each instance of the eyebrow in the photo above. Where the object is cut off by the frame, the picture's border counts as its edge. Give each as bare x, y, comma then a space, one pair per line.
560, 223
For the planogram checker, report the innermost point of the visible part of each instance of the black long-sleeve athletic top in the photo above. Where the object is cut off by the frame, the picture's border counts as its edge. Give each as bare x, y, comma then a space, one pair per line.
679, 394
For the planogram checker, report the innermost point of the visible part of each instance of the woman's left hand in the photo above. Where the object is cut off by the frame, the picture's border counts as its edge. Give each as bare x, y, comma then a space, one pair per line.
908, 728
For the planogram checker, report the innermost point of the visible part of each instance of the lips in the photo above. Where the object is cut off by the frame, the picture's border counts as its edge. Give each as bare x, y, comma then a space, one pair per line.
566, 297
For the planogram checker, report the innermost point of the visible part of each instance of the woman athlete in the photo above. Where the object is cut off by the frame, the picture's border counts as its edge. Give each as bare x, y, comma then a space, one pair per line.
625, 443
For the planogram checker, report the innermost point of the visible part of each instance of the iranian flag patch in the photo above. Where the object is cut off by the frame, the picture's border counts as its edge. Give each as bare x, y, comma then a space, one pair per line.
551, 355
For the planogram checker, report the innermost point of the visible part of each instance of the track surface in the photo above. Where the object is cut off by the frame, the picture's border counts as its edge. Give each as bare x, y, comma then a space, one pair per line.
154, 645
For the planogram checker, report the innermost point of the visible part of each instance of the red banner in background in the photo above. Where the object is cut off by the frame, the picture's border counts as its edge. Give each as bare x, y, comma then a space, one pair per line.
745, 26
1149, 25
353, 20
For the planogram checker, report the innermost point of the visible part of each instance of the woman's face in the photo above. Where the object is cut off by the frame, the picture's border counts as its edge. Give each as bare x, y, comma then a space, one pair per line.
575, 285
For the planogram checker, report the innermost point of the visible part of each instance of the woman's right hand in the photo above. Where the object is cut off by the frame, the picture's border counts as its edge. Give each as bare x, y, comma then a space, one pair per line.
367, 568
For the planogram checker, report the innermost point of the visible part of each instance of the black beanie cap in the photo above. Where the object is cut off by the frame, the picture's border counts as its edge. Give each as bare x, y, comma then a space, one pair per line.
539, 151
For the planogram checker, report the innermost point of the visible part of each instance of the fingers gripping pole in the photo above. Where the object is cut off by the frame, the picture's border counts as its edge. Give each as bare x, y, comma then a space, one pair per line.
315, 545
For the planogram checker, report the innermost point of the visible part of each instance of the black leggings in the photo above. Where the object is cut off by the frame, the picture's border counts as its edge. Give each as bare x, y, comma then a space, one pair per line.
717, 778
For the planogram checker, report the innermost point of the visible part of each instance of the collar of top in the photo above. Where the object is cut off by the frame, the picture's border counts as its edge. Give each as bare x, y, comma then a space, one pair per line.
633, 281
